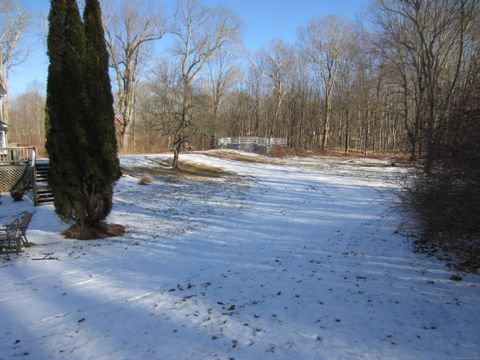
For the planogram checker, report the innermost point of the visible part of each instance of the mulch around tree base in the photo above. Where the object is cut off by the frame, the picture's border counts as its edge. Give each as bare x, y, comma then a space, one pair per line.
102, 231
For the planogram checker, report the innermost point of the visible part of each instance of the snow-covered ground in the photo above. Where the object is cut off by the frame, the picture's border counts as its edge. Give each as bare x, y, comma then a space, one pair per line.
300, 259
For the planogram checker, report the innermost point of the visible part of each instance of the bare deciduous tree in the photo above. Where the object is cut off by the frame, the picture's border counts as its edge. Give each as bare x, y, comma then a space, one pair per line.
325, 43
277, 62
199, 33
427, 43
27, 112
13, 24
129, 31
334, 92
223, 72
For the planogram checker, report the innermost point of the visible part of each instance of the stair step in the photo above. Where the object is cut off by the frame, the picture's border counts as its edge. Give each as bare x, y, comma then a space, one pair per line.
45, 197
44, 190
44, 194
44, 201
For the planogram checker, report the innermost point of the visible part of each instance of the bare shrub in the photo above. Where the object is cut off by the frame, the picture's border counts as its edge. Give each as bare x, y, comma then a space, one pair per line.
446, 197
278, 151
145, 180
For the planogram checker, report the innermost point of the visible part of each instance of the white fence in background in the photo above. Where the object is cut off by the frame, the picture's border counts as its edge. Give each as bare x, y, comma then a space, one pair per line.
250, 143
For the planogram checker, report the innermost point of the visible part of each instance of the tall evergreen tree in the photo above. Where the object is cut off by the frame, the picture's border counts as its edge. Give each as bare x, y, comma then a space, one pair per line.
103, 168
66, 105
80, 131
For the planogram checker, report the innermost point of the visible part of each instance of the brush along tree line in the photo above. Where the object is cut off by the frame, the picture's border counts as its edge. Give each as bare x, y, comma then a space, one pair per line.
79, 119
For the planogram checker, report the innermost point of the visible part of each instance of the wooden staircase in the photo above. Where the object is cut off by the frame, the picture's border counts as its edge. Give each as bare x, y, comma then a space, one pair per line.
42, 192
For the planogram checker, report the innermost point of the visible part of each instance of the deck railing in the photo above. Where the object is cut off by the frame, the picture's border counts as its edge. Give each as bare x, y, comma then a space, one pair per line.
17, 155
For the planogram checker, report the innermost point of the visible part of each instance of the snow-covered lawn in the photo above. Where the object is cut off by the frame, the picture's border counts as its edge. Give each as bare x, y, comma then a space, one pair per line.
300, 259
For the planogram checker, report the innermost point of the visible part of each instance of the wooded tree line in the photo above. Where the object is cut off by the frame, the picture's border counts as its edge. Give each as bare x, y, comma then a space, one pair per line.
389, 84
27, 117
324, 92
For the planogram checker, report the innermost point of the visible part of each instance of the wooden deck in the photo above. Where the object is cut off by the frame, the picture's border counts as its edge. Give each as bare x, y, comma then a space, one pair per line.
17, 155
16, 167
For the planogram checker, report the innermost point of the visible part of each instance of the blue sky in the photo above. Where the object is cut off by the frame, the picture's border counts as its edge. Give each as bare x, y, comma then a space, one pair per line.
264, 20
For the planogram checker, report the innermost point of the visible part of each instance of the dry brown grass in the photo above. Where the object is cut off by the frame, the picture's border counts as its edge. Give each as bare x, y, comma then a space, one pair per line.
230, 155
186, 169
278, 152
201, 170
281, 152
397, 158
145, 180
370, 164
